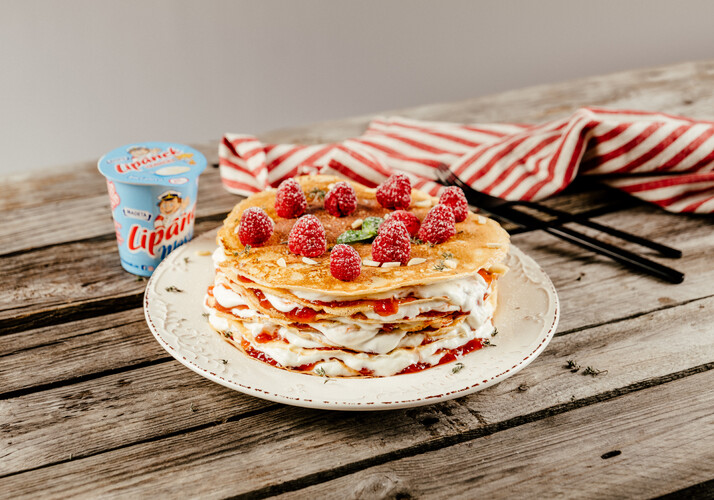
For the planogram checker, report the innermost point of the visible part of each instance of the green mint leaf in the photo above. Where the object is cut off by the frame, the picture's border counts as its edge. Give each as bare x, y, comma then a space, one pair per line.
352, 236
371, 225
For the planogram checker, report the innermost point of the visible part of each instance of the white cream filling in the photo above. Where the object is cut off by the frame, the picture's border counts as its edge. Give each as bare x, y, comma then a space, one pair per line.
364, 337
279, 303
391, 356
409, 310
227, 297
464, 294
379, 365
347, 332
230, 300
218, 256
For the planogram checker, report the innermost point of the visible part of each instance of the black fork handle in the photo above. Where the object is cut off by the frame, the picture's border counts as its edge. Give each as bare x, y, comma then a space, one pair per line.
564, 217
624, 257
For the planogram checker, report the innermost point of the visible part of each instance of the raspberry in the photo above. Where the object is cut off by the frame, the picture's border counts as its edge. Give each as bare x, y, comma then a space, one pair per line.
345, 262
255, 226
392, 243
395, 192
341, 200
307, 237
290, 200
410, 220
438, 225
454, 197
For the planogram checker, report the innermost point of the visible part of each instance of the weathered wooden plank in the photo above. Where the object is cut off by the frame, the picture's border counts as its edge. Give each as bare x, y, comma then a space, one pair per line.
632, 352
77, 349
680, 89
63, 183
68, 282
87, 418
594, 289
639, 446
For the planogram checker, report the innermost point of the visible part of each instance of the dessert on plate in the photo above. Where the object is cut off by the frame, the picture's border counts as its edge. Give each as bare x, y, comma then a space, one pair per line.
328, 277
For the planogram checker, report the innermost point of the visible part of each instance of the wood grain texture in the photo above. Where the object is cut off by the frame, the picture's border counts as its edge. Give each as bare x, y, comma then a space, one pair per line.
594, 290
120, 409
77, 349
563, 456
70, 281
631, 352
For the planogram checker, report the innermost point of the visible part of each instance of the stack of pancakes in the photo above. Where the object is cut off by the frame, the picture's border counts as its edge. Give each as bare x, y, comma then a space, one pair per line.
288, 311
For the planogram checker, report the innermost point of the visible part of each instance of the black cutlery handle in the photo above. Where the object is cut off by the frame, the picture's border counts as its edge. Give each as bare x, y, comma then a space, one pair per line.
664, 250
625, 257
565, 217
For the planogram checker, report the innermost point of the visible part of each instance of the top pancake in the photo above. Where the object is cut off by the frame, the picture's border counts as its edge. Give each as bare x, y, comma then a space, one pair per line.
475, 246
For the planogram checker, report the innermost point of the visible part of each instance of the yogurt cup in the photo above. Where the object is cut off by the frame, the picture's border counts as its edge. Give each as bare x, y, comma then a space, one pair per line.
152, 189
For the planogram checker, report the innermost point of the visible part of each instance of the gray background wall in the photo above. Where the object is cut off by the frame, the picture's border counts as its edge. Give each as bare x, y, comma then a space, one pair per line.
81, 77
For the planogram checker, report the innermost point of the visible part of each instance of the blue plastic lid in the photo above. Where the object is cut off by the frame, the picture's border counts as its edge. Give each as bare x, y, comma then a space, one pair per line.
157, 163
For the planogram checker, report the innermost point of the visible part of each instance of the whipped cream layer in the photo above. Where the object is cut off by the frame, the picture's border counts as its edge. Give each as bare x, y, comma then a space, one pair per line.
346, 363
364, 336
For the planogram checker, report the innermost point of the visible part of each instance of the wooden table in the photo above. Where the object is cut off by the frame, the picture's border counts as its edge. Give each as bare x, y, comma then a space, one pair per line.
91, 404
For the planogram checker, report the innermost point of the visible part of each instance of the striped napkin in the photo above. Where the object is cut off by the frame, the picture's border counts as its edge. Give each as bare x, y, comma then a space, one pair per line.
663, 159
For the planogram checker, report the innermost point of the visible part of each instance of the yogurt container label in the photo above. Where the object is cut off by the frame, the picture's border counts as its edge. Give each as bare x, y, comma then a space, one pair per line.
152, 190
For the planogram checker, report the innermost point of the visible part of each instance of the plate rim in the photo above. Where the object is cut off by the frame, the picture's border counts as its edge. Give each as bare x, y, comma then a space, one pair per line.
546, 335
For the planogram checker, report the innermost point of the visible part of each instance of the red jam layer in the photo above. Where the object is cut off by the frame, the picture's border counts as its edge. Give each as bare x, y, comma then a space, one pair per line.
300, 314
261, 356
449, 355
382, 307
219, 307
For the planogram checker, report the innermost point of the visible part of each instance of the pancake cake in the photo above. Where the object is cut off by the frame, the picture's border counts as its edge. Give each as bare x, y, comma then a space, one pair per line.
328, 277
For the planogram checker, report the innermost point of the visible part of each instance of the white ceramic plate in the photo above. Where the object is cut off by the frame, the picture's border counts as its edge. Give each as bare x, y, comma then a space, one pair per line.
526, 318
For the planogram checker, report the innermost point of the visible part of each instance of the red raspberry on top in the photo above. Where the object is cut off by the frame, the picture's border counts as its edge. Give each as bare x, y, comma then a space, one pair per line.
410, 220
307, 237
341, 200
255, 226
392, 243
290, 201
454, 197
395, 192
438, 225
345, 263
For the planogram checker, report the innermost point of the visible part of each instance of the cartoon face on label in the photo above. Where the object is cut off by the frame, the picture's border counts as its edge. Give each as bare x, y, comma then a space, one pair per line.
170, 206
141, 151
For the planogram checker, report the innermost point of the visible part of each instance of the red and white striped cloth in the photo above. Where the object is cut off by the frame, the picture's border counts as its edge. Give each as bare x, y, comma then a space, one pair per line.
667, 160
